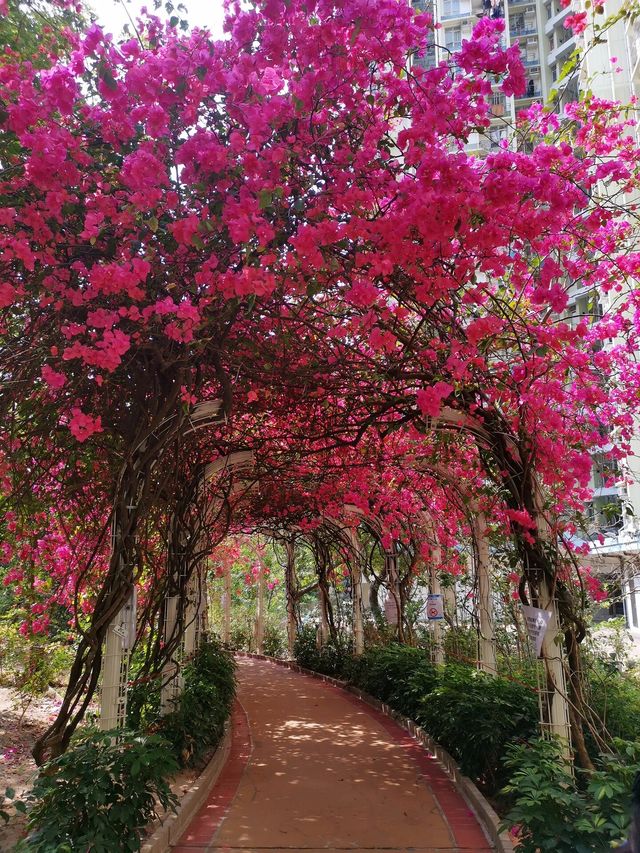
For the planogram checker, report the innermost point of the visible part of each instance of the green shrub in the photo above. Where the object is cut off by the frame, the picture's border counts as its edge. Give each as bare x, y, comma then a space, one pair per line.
331, 659
546, 805
100, 794
609, 791
399, 675
461, 644
241, 640
551, 813
474, 716
143, 704
194, 729
31, 664
274, 643
615, 697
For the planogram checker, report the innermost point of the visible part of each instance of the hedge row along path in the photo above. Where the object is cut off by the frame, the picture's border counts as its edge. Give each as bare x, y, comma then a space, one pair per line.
318, 770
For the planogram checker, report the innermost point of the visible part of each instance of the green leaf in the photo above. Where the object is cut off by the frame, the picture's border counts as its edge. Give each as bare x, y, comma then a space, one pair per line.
106, 75
265, 197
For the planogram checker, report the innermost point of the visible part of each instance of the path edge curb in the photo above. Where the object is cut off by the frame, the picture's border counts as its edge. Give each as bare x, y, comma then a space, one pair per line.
485, 814
169, 829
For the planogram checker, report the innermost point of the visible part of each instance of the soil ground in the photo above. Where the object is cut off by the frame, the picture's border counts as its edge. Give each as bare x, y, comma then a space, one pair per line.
20, 724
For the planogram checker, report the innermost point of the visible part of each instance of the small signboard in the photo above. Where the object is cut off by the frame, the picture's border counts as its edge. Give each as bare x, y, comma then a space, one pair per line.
435, 607
391, 610
537, 623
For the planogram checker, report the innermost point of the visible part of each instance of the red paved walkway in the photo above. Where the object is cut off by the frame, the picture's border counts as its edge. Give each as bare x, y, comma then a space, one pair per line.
314, 769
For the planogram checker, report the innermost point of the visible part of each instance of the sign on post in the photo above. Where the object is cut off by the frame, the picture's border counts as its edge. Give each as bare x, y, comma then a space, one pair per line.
537, 623
391, 609
435, 607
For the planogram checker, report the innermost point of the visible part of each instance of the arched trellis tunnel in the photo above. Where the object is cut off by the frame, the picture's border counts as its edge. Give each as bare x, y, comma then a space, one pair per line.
355, 345
183, 614
214, 494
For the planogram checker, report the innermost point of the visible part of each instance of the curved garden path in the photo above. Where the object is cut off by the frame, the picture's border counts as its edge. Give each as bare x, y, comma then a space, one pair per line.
314, 769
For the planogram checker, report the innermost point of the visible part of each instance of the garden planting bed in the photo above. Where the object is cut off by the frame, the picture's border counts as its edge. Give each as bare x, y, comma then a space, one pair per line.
20, 725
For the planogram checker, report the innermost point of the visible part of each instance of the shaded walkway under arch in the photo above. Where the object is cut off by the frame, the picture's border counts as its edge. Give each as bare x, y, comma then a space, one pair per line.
314, 769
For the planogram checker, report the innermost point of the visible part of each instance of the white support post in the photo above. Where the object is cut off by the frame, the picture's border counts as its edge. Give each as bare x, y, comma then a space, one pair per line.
203, 604
226, 606
554, 711
553, 696
115, 667
290, 590
323, 636
393, 610
450, 603
191, 617
486, 627
436, 624
170, 688
260, 614
356, 594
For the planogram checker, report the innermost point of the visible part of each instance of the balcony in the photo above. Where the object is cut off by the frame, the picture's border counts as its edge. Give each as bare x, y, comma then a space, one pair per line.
453, 15
527, 31
531, 62
451, 10
633, 39
561, 51
557, 19
529, 96
478, 143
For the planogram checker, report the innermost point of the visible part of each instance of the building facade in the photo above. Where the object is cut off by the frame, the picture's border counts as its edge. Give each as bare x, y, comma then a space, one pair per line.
610, 68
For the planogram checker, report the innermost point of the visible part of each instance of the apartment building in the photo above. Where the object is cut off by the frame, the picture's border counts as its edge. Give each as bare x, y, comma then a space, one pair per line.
545, 43
538, 26
610, 70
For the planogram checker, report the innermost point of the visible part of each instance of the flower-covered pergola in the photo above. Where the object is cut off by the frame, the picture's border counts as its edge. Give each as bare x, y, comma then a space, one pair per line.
277, 245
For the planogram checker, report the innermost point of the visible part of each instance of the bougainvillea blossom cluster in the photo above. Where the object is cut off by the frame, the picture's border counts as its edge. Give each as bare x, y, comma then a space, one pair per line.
285, 228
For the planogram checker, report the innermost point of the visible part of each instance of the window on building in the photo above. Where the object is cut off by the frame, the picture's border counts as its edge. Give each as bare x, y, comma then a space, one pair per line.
571, 92
453, 38
533, 88
605, 471
616, 599
454, 8
496, 135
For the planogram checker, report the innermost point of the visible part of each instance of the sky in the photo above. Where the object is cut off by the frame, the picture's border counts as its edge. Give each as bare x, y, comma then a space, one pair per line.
112, 15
